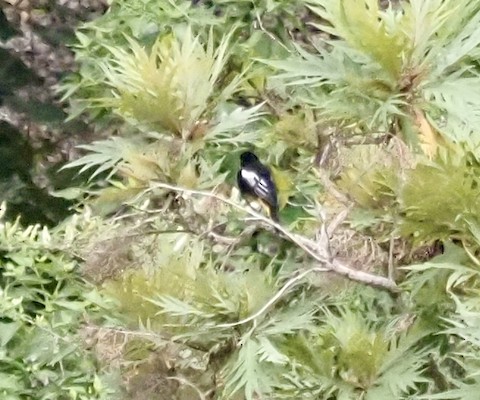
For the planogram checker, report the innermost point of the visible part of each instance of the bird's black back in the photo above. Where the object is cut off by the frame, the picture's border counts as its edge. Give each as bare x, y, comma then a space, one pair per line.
255, 179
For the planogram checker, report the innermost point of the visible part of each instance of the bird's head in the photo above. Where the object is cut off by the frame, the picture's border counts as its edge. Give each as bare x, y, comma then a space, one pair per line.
247, 158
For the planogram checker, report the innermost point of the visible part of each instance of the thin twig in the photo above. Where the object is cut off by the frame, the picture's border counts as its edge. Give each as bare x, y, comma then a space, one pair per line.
333, 265
154, 336
269, 34
391, 270
338, 220
323, 241
185, 381
272, 301
328, 184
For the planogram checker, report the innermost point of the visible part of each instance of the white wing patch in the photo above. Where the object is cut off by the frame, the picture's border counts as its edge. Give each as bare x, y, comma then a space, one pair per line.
250, 176
260, 185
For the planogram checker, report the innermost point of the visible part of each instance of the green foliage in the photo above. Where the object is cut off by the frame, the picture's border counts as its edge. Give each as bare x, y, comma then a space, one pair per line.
371, 179
170, 87
433, 200
42, 306
456, 296
183, 296
365, 27
349, 357
189, 272
167, 93
145, 21
384, 64
439, 200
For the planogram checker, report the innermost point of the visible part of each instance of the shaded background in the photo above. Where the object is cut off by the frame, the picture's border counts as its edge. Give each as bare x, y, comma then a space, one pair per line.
35, 140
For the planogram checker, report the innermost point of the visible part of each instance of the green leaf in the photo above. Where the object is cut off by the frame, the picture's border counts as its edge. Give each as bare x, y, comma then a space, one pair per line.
247, 373
7, 331
105, 156
9, 382
379, 34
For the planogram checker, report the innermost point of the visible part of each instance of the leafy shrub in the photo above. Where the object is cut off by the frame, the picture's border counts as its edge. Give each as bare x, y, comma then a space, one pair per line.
43, 304
384, 91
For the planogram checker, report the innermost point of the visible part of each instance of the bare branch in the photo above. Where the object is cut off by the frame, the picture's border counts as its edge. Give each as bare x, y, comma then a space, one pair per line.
333, 265
338, 220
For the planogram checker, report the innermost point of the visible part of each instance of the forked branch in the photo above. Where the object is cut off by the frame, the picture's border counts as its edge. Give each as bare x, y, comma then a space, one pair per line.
308, 246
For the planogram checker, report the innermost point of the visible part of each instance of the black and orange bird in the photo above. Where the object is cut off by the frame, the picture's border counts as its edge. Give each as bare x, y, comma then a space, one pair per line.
255, 180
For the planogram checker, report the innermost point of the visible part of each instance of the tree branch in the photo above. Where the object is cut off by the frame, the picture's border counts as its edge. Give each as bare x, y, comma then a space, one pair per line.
304, 243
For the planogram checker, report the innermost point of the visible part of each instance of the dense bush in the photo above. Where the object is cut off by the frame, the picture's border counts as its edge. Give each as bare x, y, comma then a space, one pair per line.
368, 116
43, 306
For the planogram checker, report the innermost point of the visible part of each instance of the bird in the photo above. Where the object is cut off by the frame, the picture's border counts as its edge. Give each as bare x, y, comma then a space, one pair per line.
255, 180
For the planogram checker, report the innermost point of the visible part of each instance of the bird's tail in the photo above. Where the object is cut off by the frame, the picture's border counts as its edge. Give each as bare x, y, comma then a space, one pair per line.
274, 214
